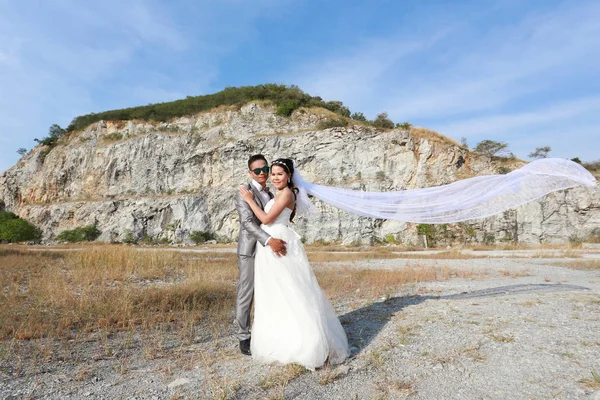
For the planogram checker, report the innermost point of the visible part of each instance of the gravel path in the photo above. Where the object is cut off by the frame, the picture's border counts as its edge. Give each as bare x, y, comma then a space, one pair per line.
529, 330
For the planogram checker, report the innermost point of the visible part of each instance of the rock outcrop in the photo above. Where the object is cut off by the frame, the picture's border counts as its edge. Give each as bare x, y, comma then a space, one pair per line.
165, 180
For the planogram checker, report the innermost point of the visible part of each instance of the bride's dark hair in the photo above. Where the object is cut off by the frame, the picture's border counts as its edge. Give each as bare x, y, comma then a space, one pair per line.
288, 166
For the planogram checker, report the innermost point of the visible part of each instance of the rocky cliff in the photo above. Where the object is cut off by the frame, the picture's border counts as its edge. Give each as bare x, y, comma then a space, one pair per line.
165, 180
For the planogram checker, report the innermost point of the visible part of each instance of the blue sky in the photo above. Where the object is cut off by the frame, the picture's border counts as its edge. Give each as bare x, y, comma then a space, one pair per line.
523, 72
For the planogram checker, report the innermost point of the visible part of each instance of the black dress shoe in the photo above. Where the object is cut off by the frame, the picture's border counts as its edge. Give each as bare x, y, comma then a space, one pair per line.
245, 347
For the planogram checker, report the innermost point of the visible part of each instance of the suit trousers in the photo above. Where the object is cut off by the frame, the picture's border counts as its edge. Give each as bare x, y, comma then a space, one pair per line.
245, 295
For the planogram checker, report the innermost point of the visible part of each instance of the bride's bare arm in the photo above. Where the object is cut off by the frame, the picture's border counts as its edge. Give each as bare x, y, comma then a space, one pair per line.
282, 199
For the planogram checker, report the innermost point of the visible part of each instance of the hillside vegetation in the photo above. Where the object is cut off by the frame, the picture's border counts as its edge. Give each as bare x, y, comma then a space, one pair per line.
286, 98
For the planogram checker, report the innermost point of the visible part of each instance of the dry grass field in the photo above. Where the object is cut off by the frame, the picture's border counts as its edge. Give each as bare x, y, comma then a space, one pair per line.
77, 293
88, 304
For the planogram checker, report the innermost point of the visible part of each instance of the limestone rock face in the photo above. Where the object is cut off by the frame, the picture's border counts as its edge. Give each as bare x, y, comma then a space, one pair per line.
165, 180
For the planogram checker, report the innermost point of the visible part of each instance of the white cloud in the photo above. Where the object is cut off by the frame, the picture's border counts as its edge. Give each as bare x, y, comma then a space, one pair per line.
527, 81
65, 58
54, 58
498, 125
508, 63
356, 75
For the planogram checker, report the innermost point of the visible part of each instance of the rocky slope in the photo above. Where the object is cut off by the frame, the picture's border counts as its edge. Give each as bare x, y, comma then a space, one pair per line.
165, 180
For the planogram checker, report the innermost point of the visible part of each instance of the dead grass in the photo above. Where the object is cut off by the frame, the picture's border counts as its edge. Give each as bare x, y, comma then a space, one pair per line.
530, 303
502, 338
454, 254
281, 376
473, 353
115, 302
515, 274
394, 389
328, 374
561, 254
110, 288
342, 282
326, 256
224, 388
432, 136
406, 332
519, 246
593, 382
583, 265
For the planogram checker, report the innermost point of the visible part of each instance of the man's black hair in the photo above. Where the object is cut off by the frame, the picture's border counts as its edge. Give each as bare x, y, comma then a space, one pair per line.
256, 157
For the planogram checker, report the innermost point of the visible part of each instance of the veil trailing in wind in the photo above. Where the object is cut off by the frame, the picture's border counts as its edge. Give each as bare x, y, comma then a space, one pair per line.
472, 198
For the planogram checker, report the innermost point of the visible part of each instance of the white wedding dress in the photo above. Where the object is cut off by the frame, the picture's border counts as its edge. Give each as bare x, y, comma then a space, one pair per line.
293, 320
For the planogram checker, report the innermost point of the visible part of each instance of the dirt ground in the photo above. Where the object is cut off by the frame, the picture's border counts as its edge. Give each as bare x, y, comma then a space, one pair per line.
526, 327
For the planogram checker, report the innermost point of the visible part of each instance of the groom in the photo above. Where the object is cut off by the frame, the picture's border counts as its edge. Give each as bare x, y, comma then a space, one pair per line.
250, 233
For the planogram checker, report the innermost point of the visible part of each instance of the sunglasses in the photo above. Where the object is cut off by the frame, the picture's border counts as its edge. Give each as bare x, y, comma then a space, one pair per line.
257, 171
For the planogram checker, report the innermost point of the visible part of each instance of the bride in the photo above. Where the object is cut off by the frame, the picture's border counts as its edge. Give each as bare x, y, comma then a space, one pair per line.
293, 320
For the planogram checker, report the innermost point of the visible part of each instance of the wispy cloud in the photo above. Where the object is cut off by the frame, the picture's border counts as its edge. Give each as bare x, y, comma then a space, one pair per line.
506, 64
65, 58
521, 122
473, 69
482, 78
53, 59
349, 76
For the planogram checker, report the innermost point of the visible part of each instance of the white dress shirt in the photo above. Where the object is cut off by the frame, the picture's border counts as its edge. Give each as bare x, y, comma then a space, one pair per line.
265, 196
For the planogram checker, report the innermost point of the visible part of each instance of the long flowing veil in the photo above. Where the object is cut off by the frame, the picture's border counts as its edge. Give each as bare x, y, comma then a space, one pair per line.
472, 198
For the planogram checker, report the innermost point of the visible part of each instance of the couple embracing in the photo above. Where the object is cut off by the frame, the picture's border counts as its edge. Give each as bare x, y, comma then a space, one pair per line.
293, 320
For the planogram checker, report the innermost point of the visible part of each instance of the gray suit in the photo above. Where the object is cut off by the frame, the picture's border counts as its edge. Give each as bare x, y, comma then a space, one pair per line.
250, 233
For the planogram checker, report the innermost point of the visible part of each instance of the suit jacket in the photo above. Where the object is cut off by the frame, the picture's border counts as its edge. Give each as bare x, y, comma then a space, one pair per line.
250, 230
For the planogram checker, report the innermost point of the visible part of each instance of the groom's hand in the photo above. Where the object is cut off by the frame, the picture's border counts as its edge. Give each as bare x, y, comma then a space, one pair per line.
278, 246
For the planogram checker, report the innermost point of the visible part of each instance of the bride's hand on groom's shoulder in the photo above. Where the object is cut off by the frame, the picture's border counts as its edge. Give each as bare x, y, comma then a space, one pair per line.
246, 194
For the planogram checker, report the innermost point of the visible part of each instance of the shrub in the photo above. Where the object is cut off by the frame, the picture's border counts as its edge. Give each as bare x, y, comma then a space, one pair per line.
151, 240
540, 152
576, 241
390, 239
358, 116
17, 229
332, 123
6, 215
200, 237
286, 109
428, 231
87, 233
286, 98
491, 148
468, 229
113, 137
489, 239
338, 108
504, 170
508, 237
405, 126
380, 175
130, 238
375, 240
382, 121
593, 166
436, 233
594, 236
54, 133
